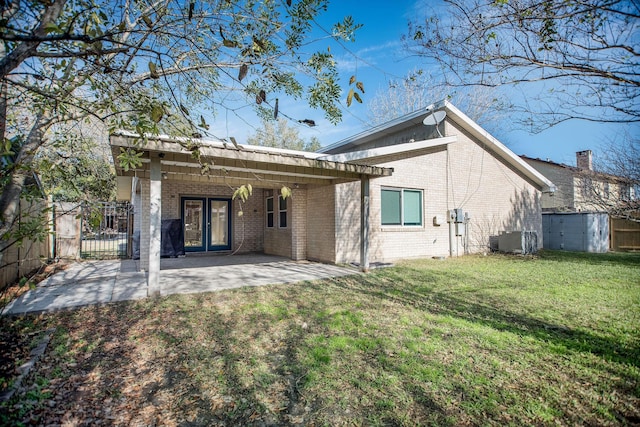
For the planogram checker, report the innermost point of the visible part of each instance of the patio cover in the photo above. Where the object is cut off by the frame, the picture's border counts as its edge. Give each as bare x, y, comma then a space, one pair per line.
233, 164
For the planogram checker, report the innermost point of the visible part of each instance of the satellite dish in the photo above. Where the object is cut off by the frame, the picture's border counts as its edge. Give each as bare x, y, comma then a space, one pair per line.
434, 118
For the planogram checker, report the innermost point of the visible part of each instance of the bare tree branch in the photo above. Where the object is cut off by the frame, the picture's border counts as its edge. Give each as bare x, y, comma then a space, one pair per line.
585, 51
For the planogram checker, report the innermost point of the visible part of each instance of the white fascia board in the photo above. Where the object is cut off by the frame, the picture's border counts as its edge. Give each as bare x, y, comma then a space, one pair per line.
389, 150
499, 148
221, 144
247, 152
383, 128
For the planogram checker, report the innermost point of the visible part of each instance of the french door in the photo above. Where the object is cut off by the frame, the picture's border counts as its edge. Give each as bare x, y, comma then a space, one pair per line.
207, 223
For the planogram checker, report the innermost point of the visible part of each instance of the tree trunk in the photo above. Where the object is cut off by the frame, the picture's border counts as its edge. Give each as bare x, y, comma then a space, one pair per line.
11, 60
20, 171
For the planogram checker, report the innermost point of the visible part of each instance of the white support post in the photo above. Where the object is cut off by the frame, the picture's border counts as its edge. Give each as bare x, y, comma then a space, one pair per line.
364, 223
155, 222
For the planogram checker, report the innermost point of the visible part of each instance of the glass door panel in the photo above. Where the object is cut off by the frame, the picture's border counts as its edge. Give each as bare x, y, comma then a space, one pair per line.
219, 225
193, 217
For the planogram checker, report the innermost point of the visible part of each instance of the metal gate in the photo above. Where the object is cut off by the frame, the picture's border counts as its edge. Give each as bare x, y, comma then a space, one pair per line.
106, 230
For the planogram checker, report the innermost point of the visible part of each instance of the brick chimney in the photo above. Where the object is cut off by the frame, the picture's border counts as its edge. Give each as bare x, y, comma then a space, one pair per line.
584, 160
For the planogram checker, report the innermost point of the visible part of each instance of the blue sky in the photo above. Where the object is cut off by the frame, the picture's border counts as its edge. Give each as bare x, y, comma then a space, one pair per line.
377, 56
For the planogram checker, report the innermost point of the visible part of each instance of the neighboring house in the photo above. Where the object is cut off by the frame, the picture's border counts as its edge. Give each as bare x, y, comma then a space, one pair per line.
581, 189
386, 194
590, 211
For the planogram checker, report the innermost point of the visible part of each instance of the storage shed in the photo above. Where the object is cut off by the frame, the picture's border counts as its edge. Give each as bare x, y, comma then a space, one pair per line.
576, 231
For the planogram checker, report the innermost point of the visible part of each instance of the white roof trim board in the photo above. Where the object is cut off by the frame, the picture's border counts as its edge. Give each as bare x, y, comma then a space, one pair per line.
389, 150
244, 158
221, 144
460, 118
499, 148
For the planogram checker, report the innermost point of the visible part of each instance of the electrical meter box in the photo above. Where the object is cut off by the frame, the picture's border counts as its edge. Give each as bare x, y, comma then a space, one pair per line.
459, 215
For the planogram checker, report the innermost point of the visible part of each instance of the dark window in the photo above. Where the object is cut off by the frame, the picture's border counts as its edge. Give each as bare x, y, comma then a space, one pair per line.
282, 212
270, 212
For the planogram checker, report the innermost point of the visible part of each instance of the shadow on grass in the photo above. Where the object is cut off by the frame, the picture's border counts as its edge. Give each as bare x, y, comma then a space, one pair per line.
238, 386
629, 259
433, 301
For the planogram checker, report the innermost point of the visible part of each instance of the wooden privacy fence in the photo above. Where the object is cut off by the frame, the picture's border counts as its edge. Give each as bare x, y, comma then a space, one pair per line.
625, 235
67, 229
22, 258
97, 230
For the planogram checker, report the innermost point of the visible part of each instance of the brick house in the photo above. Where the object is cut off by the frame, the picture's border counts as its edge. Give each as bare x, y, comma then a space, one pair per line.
452, 167
431, 183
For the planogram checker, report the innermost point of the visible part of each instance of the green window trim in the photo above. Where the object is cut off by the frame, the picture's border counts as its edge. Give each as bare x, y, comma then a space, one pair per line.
391, 207
269, 210
282, 212
401, 207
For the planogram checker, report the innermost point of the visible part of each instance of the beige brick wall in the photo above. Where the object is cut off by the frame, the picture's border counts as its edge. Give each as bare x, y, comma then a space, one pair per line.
347, 222
563, 199
496, 196
247, 231
424, 172
321, 223
463, 176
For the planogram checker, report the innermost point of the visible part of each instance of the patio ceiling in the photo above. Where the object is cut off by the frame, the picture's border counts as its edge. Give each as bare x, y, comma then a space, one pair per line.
236, 165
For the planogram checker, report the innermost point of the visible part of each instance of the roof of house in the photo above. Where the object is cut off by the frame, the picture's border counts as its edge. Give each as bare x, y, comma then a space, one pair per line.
237, 161
577, 170
453, 113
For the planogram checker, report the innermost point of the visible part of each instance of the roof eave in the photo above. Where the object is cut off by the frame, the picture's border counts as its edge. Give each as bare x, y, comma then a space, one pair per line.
164, 144
383, 128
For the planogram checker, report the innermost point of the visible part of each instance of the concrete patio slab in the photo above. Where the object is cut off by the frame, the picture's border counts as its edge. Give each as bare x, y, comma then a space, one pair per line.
100, 282
263, 271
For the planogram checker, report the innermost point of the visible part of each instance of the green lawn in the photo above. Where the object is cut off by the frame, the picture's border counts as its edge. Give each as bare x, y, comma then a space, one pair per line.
492, 340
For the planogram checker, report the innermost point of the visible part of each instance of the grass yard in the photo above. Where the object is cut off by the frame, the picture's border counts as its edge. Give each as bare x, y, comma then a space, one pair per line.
493, 340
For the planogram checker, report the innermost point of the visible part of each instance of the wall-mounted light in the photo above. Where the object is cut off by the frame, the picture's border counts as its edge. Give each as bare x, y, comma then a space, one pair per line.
164, 175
